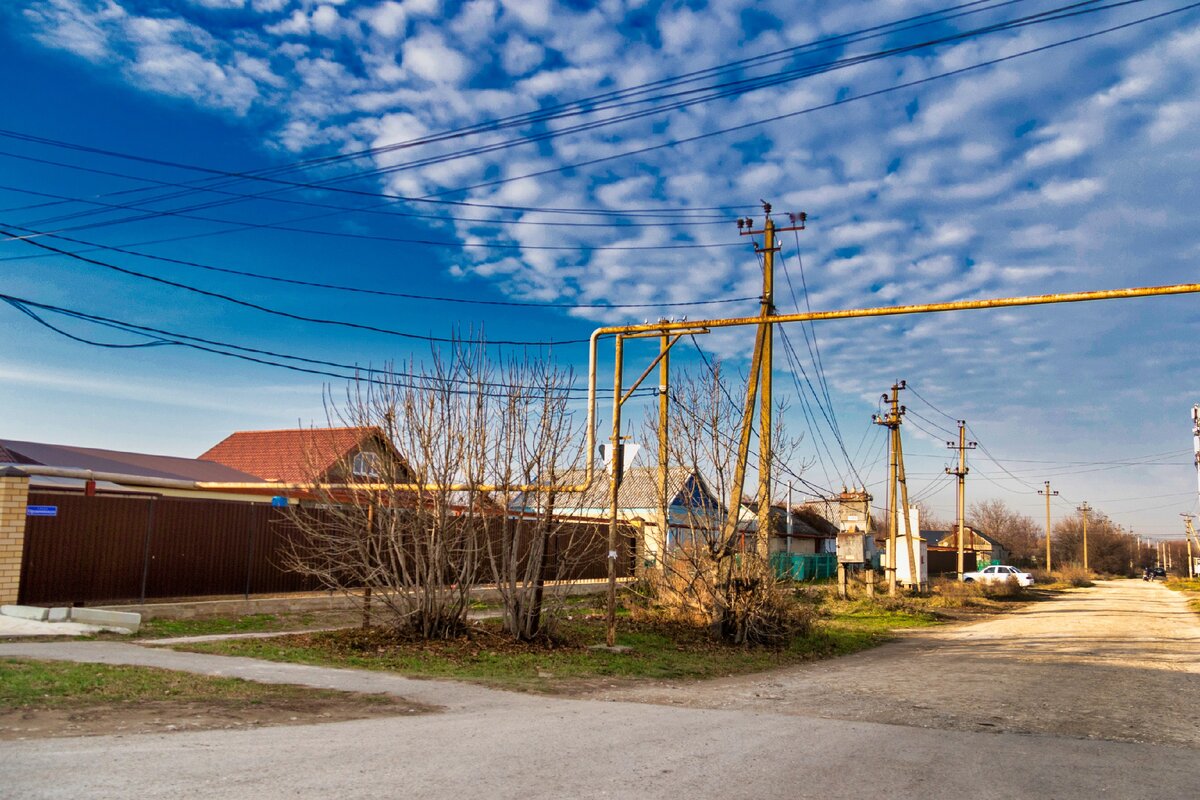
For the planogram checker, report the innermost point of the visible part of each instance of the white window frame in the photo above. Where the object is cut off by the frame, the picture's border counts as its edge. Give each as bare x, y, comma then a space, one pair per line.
366, 464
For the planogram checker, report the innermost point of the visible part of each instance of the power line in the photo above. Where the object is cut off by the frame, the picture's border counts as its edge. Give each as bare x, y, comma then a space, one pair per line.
373, 237
93, 246
811, 109
721, 385
598, 102
104, 207
1053, 15
279, 313
162, 337
814, 353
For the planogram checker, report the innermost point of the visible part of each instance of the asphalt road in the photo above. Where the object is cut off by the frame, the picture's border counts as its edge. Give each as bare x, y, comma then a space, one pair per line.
501, 745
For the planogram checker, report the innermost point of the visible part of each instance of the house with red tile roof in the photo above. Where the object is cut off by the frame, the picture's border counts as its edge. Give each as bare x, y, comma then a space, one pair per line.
312, 455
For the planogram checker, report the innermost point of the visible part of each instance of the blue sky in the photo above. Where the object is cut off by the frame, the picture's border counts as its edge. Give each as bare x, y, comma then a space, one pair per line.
1069, 169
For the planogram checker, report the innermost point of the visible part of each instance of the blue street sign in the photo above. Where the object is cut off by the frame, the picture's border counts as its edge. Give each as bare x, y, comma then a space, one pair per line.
279, 501
41, 511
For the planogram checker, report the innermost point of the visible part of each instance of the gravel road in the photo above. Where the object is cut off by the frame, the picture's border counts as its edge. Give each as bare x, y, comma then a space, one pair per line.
1058, 681
1120, 661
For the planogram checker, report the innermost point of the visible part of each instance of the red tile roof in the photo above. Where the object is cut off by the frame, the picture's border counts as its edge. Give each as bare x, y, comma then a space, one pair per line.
296, 455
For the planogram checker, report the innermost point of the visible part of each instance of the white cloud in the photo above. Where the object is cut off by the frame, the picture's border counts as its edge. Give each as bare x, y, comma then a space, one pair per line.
1076, 191
219, 4
296, 25
531, 14
386, 19
428, 56
326, 20
521, 55
1060, 148
67, 25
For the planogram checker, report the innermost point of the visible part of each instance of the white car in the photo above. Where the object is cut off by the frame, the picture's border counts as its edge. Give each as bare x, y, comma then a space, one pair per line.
998, 572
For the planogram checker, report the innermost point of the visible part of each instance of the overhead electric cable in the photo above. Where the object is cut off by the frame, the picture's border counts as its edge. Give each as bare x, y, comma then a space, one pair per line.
591, 105
1038, 19
821, 107
166, 337
93, 246
279, 313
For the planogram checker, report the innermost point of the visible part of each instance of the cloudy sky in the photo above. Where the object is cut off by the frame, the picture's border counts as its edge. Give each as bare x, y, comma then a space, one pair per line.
578, 157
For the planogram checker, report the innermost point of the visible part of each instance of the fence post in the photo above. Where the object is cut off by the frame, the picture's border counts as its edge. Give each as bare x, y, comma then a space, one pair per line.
146, 549
14, 497
250, 546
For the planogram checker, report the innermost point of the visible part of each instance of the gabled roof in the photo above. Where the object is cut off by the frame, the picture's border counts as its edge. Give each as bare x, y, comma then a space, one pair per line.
119, 461
933, 537
293, 455
639, 487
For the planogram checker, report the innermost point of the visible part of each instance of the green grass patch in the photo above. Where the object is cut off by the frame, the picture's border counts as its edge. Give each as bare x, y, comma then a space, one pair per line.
204, 626
1183, 584
32, 684
660, 650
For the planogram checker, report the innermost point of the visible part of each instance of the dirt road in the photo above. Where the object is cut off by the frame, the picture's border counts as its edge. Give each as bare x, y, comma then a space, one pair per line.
1120, 661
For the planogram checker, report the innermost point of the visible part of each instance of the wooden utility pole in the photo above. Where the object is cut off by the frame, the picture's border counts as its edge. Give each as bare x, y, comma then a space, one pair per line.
896, 478
765, 366
1084, 508
1191, 534
963, 446
1048, 495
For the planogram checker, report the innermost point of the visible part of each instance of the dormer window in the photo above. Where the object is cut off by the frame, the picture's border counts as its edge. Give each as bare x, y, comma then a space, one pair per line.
365, 466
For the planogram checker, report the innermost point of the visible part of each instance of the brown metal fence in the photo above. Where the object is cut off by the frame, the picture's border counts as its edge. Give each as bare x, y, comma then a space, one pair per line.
106, 548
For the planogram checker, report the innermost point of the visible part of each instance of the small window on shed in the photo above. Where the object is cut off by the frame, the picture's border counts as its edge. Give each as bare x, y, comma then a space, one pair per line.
365, 465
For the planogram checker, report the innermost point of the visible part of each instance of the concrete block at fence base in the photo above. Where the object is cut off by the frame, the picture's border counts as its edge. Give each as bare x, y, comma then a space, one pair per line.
58, 615
109, 619
25, 612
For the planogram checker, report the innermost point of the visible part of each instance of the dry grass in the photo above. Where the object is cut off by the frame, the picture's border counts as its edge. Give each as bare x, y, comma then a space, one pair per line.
1069, 577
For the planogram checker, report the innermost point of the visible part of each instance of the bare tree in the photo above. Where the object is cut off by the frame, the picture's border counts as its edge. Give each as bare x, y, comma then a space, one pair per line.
712, 571
1109, 549
1017, 533
430, 518
533, 442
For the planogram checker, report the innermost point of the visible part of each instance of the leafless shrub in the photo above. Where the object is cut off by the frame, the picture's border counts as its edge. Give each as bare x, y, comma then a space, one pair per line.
1074, 576
1002, 590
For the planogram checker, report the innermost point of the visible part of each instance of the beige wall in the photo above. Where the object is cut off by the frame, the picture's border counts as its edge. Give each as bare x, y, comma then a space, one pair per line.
14, 494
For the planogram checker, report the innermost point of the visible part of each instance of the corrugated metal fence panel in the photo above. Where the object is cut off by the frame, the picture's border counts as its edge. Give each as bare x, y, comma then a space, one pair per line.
89, 550
268, 571
200, 547
105, 549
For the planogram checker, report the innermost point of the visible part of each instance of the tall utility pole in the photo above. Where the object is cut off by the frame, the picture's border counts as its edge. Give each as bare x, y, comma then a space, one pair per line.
1048, 494
1189, 533
896, 477
766, 449
963, 446
1084, 508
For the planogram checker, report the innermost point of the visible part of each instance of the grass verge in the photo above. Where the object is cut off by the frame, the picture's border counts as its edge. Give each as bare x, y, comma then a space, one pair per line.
205, 626
660, 650
30, 684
